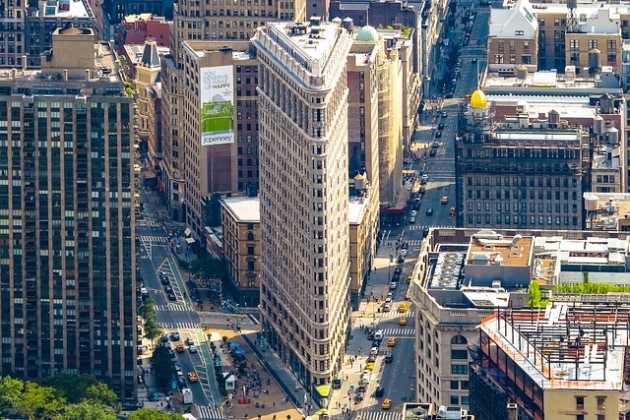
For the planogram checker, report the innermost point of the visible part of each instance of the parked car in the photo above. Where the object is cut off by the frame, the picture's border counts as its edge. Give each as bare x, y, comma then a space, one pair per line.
174, 336
379, 392
429, 211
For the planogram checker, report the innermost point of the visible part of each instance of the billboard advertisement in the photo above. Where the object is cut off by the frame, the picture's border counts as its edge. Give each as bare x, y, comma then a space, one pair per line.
217, 105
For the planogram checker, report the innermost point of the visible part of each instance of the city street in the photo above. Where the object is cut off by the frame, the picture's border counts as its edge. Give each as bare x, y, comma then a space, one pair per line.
155, 256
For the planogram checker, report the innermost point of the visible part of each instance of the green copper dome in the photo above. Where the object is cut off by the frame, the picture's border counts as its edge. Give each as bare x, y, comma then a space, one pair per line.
367, 33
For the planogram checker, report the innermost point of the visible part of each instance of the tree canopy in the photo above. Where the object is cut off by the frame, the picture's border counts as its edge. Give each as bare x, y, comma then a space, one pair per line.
162, 366
153, 414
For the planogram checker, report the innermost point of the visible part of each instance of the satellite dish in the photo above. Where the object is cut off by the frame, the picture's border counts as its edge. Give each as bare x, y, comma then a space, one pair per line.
442, 411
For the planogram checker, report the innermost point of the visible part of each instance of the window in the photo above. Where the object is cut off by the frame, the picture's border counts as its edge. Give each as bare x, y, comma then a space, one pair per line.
459, 369
454, 400
592, 43
579, 417
459, 339
519, 33
601, 403
575, 44
579, 403
611, 44
454, 384
459, 354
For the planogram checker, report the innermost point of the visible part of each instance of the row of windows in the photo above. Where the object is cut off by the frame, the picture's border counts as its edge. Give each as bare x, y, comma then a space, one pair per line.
523, 206
516, 181
522, 194
506, 219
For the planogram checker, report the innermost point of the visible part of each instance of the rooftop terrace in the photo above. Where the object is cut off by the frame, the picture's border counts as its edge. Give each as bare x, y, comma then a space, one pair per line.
577, 345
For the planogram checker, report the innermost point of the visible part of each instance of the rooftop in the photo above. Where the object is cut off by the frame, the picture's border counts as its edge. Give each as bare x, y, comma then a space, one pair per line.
565, 346
535, 105
312, 53
240, 49
135, 51
356, 209
489, 248
569, 82
243, 208
62, 9
428, 411
605, 210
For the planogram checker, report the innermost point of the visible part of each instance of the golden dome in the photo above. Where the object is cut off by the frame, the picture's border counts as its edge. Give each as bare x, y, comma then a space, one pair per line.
478, 100
359, 177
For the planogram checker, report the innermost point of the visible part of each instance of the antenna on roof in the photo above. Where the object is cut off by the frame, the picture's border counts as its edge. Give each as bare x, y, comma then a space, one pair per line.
478, 78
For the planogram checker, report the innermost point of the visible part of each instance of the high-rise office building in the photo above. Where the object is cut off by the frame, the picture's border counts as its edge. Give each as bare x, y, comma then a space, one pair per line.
303, 118
67, 266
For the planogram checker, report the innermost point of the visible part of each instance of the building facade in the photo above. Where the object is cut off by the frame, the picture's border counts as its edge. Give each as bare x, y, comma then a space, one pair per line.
67, 224
513, 38
227, 166
303, 116
502, 170
240, 218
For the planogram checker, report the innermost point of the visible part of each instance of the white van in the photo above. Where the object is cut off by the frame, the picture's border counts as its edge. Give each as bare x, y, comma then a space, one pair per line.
378, 335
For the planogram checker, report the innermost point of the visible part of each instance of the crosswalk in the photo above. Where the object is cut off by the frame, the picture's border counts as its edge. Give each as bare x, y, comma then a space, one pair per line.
179, 325
209, 412
415, 242
153, 238
380, 415
147, 222
420, 227
170, 307
398, 332
395, 314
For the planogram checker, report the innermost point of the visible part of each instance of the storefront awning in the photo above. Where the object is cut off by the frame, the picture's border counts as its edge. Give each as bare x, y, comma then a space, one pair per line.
323, 390
190, 241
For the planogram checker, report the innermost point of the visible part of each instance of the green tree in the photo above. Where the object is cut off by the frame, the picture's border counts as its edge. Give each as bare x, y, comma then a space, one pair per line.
102, 394
534, 294
87, 410
38, 402
162, 366
153, 414
147, 311
10, 392
208, 268
72, 387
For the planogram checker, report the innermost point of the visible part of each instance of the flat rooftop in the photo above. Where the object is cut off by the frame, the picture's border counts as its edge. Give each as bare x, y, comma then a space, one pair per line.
489, 248
565, 346
243, 208
63, 9
604, 210
309, 44
356, 209
540, 79
534, 105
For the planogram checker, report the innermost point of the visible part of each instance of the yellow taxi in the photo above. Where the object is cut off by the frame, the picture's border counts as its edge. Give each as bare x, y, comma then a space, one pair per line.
386, 404
403, 307
391, 342
444, 199
192, 377
369, 366
402, 321
180, 348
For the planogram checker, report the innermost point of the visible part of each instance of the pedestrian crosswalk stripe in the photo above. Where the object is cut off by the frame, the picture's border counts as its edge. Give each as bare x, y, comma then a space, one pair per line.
395, 314
380, 415
209, 412
398, 332
414, 242
145, 238
179, 325
170, 307
146, 222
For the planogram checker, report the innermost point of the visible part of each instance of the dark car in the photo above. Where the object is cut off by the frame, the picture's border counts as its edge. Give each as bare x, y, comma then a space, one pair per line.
164, 338
444, 114
438, 134
379, 392
389, 357
432, 152
175, 336
358, 397
168, 289
440, 126
164, 280
398, 271
425, 231
172, 297
429, 212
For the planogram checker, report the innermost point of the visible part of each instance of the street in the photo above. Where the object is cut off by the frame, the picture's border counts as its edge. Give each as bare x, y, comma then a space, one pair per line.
155, 256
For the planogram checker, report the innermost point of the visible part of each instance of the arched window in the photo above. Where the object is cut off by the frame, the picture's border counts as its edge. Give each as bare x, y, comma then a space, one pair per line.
459, 339
250, 236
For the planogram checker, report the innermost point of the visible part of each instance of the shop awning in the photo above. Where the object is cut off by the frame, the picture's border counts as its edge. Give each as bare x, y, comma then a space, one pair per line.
323, 390
190, 241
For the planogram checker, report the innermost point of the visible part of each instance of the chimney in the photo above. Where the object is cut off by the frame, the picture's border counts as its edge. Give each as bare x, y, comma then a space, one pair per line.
65, 75
24, 63
87, 74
